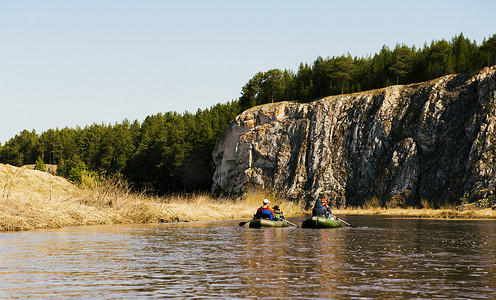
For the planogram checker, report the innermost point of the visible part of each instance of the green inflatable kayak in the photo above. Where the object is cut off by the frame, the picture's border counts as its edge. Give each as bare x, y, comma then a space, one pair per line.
257, 223
321, 222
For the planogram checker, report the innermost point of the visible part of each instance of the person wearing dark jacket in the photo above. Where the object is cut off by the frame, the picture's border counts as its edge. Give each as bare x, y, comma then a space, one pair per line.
319, 210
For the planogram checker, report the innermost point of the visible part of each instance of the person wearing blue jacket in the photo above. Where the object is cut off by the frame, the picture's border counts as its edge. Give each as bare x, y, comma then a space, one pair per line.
264, 211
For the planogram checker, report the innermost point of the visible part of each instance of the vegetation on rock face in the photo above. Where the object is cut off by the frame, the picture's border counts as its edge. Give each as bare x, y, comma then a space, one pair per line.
171, 152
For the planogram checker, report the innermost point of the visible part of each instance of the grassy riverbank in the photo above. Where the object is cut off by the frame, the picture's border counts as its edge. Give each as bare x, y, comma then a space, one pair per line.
442, 213
34, 199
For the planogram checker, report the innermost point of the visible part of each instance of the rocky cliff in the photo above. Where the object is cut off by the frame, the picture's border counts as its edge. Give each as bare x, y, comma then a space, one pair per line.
433, 141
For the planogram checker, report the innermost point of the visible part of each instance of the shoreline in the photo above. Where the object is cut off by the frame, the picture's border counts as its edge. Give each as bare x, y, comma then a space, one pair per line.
179, 210
424, 213
38, 200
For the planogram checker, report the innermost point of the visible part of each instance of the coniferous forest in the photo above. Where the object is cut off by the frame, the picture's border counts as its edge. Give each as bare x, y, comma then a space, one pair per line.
171, 152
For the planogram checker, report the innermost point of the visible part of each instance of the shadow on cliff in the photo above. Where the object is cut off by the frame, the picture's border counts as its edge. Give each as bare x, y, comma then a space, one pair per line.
424, 155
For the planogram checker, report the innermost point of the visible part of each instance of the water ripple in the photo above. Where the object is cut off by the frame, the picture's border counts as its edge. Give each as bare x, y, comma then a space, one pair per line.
385, 258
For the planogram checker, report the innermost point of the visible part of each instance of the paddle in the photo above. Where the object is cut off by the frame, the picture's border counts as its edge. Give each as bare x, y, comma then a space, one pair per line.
345, 222
290, 223
243, 223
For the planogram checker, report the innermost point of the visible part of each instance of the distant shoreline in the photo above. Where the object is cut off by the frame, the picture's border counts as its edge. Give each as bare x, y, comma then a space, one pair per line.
204, 209
441, 213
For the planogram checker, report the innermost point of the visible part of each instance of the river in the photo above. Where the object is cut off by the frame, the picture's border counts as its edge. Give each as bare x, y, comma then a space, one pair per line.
382, 257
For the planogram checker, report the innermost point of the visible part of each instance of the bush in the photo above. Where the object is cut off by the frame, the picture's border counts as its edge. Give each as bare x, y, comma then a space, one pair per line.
372, 203
82, 177
40, 165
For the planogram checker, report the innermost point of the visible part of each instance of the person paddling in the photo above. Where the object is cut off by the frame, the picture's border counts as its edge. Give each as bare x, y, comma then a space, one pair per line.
319, 210
278, 214
264, 211
328, 208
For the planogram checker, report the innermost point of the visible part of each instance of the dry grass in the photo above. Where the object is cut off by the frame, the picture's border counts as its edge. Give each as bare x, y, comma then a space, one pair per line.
442, 213
34, 199
373, 206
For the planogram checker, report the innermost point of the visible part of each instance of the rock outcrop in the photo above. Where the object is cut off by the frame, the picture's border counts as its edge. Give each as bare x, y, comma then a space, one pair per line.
433, 141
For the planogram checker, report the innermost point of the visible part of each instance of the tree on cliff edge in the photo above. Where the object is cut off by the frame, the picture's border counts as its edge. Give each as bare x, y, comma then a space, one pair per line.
403, 58
488, 49
341, 71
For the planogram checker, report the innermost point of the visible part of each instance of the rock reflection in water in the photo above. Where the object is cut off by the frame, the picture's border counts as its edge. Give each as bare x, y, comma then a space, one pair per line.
382, 258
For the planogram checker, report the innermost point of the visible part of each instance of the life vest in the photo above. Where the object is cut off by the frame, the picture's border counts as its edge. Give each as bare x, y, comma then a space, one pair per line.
278, 215
265, 213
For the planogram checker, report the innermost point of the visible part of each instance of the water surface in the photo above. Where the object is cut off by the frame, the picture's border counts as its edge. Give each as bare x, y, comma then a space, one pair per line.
382, 258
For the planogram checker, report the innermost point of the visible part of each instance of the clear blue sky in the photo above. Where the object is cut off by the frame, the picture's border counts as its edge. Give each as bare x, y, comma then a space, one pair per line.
65, 63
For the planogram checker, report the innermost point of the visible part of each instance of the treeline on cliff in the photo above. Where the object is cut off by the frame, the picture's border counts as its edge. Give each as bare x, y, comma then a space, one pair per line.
165, 153
171, 152
347, 74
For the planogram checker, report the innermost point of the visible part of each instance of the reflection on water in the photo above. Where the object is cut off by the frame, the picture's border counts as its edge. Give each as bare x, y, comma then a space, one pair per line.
382, 258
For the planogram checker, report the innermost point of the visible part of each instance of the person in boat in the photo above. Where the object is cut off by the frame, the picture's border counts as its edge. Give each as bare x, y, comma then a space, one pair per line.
319, 210
264, 211
278, 214
328, 208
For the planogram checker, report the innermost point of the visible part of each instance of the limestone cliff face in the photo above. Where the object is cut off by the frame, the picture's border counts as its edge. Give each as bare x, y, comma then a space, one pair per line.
432, 141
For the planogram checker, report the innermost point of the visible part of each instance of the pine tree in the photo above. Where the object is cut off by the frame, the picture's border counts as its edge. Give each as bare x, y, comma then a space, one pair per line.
488, 49
403, 59
341, 70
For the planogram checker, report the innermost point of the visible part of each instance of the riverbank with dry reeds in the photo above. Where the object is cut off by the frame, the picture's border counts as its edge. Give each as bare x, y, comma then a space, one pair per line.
426, 213
468, 211
34, 199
